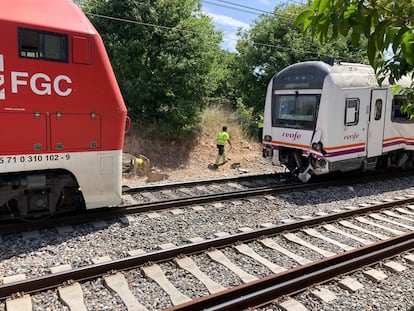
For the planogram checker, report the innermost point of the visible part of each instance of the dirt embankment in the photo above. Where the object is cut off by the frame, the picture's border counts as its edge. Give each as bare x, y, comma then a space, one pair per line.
191, 160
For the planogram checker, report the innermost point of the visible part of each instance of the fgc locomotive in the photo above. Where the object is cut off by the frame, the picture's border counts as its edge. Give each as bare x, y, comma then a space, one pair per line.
62, 116
322, 118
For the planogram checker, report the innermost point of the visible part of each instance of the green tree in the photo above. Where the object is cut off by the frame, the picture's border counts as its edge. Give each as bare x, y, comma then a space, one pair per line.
162, 52
274, 42
222, 80
387, 25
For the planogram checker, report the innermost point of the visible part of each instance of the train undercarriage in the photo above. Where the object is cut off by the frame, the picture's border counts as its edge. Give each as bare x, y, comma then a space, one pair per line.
305, 167
34, 195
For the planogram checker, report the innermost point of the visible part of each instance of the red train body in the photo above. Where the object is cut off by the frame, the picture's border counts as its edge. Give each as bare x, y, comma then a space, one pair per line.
62, 116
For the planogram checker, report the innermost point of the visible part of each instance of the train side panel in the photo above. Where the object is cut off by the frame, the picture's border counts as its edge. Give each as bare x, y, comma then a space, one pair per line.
61, 110
344, 135
398, 133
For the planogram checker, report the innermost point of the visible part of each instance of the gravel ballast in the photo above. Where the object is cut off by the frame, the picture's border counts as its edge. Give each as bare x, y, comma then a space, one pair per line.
34, 257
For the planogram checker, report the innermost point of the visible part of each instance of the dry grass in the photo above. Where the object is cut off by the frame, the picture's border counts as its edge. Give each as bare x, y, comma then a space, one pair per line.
191, 160
214, 118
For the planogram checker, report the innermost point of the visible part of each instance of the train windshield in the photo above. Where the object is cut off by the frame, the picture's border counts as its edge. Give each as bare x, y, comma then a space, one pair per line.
295, 111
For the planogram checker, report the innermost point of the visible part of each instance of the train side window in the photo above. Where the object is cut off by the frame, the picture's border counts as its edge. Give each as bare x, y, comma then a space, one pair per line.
378, 109
28, 41
43, 45
351, 111
397, 115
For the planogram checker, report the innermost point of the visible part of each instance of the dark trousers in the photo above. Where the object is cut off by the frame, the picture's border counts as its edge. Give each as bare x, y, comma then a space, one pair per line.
221, 154
260, 134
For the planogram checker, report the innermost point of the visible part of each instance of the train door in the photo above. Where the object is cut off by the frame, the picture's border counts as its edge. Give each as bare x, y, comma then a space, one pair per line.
376, 123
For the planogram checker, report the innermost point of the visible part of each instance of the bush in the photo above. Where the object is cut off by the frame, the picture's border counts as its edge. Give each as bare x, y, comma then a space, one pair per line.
245, 118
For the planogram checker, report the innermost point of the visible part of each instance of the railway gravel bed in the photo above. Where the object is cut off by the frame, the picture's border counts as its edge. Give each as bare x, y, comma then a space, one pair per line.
34, 255
396, 292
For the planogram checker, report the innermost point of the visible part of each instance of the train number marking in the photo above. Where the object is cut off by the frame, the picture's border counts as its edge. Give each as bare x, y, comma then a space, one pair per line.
34, 158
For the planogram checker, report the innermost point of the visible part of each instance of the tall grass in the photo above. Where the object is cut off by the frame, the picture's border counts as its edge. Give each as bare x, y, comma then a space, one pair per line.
239, 122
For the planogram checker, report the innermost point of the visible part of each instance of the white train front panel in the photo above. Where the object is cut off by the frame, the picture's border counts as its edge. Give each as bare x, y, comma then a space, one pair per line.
321, 118
98, 173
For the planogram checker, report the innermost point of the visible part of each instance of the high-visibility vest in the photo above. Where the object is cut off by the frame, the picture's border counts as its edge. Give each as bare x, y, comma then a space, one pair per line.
140, 164
260, 122
222, 138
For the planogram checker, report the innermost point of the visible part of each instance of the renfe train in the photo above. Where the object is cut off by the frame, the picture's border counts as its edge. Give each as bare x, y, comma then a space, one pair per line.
322, 118
62, 116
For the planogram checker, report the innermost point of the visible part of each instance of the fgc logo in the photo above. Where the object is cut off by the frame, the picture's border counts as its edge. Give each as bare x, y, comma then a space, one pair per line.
39, 83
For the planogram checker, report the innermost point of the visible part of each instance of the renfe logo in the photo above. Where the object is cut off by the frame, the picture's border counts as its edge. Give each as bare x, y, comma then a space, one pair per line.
292, 136
40, 83
353, 137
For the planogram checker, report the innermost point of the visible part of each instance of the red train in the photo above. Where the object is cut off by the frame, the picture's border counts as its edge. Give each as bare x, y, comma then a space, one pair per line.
62, 116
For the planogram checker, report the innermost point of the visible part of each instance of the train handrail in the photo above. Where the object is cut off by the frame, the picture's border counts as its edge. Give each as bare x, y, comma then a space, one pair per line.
127, 124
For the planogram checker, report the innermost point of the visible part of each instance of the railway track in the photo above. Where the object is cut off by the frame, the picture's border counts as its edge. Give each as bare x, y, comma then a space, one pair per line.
238, 182
167, 191
158, 197
171, 196
283, 259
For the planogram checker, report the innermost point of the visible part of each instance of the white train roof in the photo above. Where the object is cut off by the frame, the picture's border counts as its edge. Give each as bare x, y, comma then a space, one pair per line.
312, 75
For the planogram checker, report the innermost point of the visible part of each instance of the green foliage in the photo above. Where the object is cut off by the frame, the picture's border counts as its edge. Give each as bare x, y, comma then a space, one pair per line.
274, 42
387, 25
245, 118
162, 53
408, 107
222, 81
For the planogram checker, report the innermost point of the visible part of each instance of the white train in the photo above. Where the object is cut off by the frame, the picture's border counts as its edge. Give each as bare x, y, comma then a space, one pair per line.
322, 118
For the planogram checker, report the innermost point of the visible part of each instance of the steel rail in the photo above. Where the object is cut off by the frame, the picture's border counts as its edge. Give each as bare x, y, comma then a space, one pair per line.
117, 211
113, 212
274, 286
92, 271
191, 183
334, 179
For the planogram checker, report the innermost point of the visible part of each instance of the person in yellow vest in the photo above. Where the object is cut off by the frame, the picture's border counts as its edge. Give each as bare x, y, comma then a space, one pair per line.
222, 138
259, 121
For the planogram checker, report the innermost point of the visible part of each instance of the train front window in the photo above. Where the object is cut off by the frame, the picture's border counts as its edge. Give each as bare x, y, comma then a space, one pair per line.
295, 111
43, 45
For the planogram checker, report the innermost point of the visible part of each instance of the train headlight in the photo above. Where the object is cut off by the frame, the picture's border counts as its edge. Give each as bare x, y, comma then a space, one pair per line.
268, 138
317, 146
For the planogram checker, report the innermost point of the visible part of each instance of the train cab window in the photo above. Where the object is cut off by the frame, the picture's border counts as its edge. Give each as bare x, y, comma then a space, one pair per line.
398, 115
378, 109
295, 110
43, 45
352, 111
